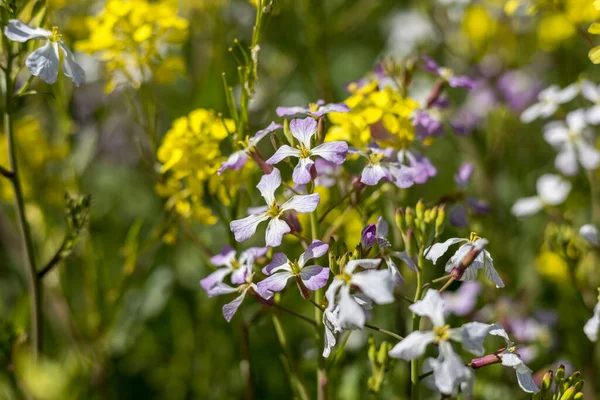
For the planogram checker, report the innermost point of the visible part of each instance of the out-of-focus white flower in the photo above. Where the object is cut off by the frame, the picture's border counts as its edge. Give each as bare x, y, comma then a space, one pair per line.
552, 190
548, 101
590, 233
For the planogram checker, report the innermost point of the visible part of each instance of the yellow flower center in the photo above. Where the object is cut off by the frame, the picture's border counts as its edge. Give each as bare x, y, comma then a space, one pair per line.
375, 158
274, 211
344, 277
295, 267
313, 107
304, 151
55, 36
441, 333
446, 73
473, 237
235, 264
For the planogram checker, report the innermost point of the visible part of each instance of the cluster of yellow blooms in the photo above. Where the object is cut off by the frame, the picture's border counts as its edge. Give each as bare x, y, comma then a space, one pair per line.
131, 36
190, 157
594, 29
369, 108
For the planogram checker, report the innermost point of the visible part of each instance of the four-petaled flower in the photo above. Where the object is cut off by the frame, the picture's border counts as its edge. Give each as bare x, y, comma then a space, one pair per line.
45, 61
570, 140
303, 130
449, 371
239, 158
552, 190
317, 109
548, 101
381, 166
239, 267
376, 285
483, 260
243, 229
281, 269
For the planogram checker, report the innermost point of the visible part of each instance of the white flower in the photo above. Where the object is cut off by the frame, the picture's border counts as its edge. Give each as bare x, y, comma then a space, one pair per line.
483, 260
590, 233
552, 190
375, 285
449, 371
591, 92
511, 359
571, 139
593, 324
45, 61
548, 101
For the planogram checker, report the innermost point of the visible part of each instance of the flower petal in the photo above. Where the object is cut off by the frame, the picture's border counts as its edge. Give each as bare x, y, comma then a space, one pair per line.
225, 257
262, 133
372, 174
431, 306
472, 334
314, 277
366, 263
18, 31
70, 67
278, 263
450, 372
301, 174
275, 282
268, 184
315, 250
230, 309
275, 231
235, 162
412, 346
566, 160
351, 315
303, 130
211, 280
334, 152
590, 233
525, 380
283, 111
376, 284
553, 189
593, 324
302, 203
244, 228
526, 206
220, 288
282, 153
589, 156
44, 63
439, 249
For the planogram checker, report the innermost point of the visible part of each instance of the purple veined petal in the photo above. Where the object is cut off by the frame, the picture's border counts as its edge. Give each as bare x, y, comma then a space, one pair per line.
301, 174
275, 231
331, 292
231, 308
351, 315
425, 125
382, 227
283, 111
18, 31
434, 252
235, 162
274, 283
44, 62
282, 153
431, 306
257, 210
268, 184
395, 274
278, 263
334, 152
215, 277
219, 288
368, 236
314, 277
332, 107
403, 176
71, 69
376, 284
303, 130
462, 82
238, 276
302, 204
251, 254
244, 228
225, 257
262, 133
463, 176
412, 346
366, 263
315, 250
372, 174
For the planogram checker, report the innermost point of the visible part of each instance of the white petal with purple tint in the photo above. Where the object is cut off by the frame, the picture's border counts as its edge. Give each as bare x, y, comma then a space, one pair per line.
303, 130
244, 228
431, 306
230, 309
44, 62
372, 174
268, 184
301, 174
302, 203
439, 249
278, 262
275, 231
216, 277
235, 162
314, 277
282, 153
334, 152
315, 250
376, 284
274, 283
412, 346
18, 31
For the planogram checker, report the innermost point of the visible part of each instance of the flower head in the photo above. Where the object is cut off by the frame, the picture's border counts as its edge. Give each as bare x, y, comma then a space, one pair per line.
281, 269
244, 228
552, 190
549, 100
483, 260
303, 130
229, 309
45, 61
239, 267
381, 165
317, 109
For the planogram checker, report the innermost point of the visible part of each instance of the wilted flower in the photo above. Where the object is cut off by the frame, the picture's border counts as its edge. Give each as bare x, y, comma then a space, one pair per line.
317, 109
447, 74
244, 228
239, 158
570, 141
239, 267
552, 190
281, 269
374, 284
303, 130
449, 371
231, 308
548, 101
45, 61
483, 260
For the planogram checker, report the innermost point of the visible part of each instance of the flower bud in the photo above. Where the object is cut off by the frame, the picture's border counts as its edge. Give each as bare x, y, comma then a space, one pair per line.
399, 218
569, 394
578, 396
372, 352
382, 355
420, 209
440, 219
287, 133
546, 383
410, 217
320, 130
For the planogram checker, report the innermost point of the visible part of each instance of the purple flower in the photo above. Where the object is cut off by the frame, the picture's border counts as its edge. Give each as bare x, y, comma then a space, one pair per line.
317, 109
328, 173
426, 126
463, 301
381, 166
421, 166
374, 284
303, 130
464, 122
244, 228
231, 308
281, 269
239, 158
463, 176
447, 74
239, 268
519, 89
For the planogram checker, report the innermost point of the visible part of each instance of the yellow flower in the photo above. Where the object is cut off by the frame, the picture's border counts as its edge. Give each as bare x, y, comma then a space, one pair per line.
553, 30
190, 156
594, 53
132, 37
478, 25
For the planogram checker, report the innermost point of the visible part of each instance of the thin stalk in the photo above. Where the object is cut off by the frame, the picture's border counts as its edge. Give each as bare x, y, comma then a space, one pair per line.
337, 203
416, 321
35, 292
295, 380
448, 283
294, 313
389, 333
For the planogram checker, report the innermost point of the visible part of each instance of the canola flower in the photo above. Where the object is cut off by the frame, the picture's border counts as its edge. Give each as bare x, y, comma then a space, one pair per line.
135, 39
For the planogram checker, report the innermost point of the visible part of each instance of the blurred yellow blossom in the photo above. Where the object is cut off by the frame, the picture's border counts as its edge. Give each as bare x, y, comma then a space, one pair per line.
553, 30
190, 157
478, 25
132, 37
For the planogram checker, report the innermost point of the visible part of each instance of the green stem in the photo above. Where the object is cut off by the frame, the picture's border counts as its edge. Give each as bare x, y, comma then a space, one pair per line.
35, 292
416, 321
295, 381
337, 203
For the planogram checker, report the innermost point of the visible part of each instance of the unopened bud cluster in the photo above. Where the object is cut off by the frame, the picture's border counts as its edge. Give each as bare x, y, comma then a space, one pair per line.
420, 222
558, 386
